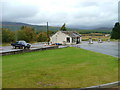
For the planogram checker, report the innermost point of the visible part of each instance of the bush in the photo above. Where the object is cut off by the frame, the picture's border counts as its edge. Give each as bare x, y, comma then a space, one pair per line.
42, 37
26, 33
8, 36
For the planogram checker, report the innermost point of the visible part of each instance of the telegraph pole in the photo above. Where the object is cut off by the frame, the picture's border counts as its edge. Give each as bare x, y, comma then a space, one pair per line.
16, 38
47, 33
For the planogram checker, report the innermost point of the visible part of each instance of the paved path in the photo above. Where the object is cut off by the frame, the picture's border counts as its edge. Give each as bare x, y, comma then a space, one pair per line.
109, 48
10, 48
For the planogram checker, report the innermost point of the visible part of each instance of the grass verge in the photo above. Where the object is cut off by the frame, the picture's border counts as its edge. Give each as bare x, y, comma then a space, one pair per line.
59, 68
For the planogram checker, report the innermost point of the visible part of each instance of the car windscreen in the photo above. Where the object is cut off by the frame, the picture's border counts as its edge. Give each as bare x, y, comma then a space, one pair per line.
17, 42
22, 42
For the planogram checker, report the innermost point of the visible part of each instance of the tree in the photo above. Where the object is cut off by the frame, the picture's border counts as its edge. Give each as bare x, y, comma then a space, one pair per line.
63, 28
26, 33
8, 36
42, 37
116, 31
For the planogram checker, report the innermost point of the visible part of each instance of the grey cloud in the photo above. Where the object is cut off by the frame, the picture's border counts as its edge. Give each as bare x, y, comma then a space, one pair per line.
119, 11
18, 11
81, 14
89, 3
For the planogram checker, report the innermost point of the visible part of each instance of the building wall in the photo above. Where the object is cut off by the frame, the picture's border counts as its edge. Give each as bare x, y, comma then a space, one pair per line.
80, 39
60, 37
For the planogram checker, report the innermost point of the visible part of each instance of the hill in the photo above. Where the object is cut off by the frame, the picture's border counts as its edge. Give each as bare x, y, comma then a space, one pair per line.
13, 26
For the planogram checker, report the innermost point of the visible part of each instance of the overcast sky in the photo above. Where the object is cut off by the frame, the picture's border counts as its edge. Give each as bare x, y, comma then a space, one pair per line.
75, 13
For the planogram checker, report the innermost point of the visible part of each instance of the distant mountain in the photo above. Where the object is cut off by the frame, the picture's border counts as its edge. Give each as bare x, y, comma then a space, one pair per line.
104, 28
13, 26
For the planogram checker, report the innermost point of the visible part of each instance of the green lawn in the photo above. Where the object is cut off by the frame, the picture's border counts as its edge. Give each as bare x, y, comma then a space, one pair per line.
59, 68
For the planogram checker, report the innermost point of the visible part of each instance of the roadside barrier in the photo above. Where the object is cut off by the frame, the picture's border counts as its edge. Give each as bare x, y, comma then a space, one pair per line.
101, 87
27, 50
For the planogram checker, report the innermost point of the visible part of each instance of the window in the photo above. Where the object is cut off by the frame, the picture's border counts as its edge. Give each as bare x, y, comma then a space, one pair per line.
68, 40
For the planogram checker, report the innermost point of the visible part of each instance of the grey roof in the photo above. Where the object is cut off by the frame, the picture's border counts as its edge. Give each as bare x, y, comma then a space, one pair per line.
71, 33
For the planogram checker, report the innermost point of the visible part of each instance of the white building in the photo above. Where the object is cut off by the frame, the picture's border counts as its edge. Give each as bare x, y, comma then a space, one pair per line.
66, 37
107, 35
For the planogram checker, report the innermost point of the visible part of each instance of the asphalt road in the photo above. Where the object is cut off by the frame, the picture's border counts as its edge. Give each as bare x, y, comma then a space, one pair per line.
10, 48
109, 48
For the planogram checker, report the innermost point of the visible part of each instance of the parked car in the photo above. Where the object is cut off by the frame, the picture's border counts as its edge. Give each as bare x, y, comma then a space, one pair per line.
21, 44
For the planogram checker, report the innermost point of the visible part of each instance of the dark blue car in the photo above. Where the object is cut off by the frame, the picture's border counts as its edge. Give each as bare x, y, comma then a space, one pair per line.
21, 44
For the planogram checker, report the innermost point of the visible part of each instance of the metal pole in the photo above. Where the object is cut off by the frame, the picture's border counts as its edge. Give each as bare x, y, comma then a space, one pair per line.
16, 36
47, 33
